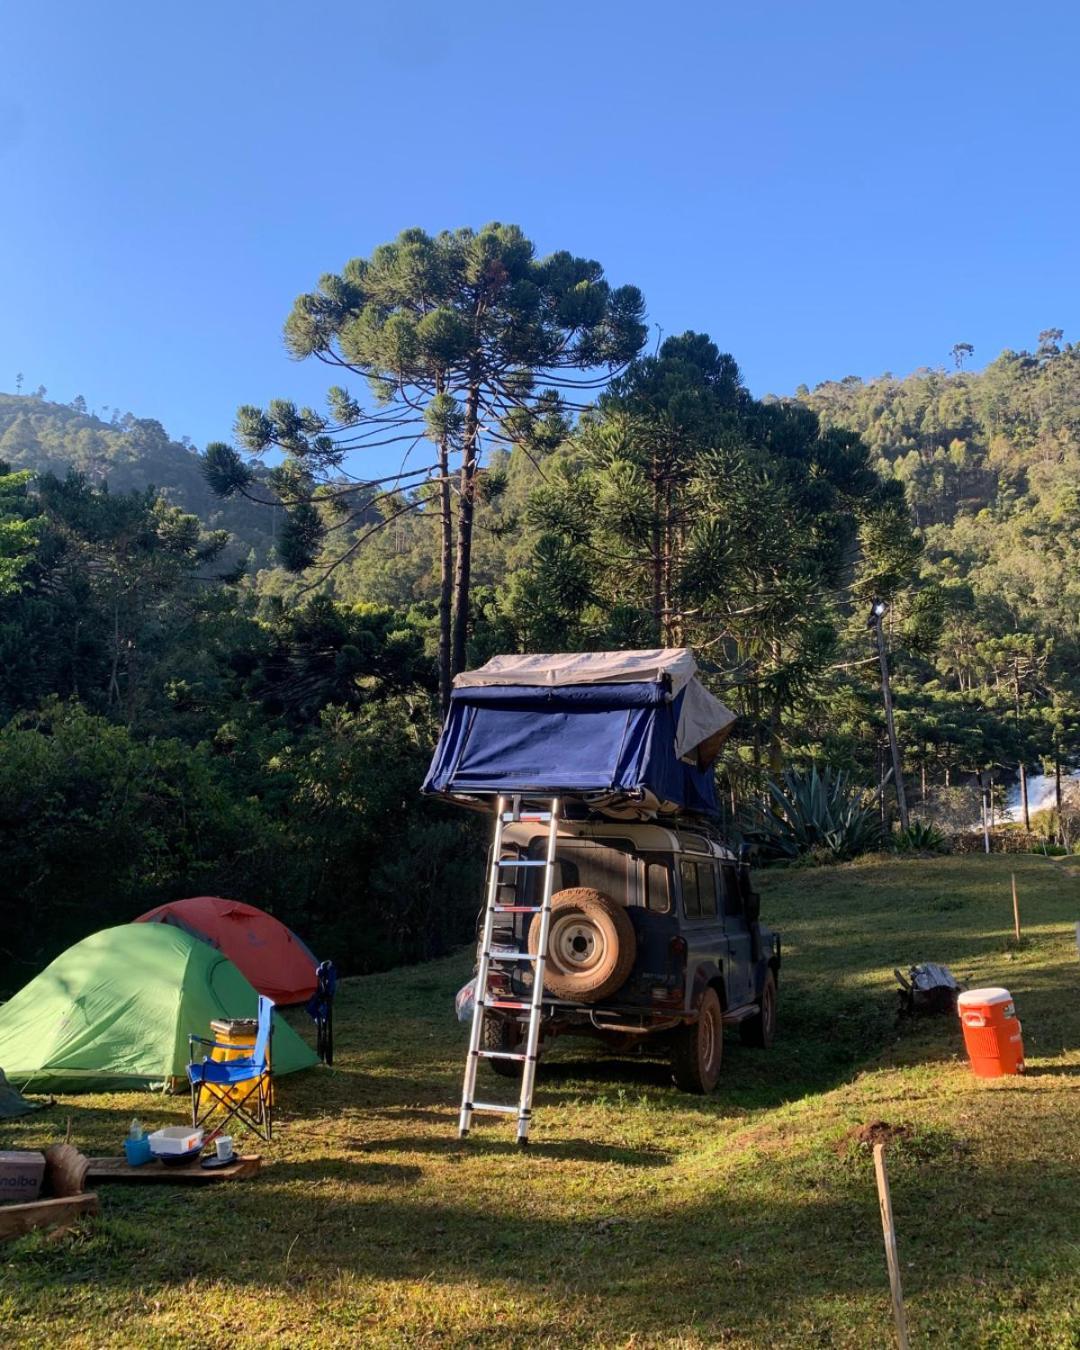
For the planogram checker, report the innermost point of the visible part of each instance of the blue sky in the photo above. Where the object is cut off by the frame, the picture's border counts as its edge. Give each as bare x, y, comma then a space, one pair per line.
826, 189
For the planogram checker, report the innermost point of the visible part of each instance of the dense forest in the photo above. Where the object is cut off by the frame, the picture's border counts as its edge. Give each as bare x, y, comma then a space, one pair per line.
223, 671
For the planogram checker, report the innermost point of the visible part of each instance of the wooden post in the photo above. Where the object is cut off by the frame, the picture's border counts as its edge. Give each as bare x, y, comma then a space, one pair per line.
889, 1231
1016, 908
985, 826
890, 724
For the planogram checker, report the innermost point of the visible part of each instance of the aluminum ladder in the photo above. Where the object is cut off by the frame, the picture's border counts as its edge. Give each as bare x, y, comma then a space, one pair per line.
508, 811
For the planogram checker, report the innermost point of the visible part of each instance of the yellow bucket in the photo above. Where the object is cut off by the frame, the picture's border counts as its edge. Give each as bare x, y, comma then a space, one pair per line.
241, 1033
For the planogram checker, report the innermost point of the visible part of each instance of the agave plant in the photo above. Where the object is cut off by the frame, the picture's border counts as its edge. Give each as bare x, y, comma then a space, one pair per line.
919, 837
823, 814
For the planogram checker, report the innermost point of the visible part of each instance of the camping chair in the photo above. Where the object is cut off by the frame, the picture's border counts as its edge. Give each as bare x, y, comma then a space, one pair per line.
239, 1087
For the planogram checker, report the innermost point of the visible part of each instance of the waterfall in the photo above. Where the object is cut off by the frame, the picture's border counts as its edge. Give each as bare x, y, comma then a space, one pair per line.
1040, 793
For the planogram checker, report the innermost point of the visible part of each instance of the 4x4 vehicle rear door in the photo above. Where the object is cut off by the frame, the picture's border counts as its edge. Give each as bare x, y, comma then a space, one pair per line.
740, 980
703, 921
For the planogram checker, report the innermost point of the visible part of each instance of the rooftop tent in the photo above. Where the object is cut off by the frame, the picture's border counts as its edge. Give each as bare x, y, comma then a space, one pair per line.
114, 1013
633, 732
272, 957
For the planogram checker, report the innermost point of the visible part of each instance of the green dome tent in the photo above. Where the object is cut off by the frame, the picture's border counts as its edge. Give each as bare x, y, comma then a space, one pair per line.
114, 1012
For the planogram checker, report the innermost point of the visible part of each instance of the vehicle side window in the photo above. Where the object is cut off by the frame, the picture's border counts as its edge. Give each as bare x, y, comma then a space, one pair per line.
733, 904
566, 873
707, 888
657, 887
689, 878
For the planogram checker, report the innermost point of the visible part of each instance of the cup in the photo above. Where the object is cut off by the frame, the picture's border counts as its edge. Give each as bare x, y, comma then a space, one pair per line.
223, 1146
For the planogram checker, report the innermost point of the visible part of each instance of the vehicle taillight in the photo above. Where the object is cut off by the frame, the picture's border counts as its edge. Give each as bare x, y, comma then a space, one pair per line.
677, 948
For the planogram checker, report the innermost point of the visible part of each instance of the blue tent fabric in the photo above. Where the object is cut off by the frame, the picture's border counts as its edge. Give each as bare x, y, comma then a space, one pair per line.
588, 739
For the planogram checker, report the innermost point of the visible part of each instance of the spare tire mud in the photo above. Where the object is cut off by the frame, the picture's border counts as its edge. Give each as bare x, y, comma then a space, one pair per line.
591, 945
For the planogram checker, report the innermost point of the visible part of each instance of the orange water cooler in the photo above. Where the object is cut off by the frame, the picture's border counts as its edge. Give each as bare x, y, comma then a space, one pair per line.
991, 1032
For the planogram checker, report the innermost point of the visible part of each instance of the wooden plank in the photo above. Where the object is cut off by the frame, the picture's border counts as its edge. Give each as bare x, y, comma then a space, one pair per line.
186, 1174
18, 1219
888, 1229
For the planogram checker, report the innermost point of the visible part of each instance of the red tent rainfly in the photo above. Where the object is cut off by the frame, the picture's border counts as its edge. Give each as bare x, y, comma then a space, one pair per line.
270, 955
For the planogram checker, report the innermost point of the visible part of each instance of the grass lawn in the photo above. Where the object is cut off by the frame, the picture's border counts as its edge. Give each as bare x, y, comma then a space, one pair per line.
640, 1216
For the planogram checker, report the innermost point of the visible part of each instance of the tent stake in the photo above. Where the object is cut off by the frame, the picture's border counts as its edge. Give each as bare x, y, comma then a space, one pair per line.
1016, 908
887, 1228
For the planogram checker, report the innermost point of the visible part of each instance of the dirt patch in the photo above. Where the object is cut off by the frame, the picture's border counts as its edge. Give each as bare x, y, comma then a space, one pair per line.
765, 1138
873, 1132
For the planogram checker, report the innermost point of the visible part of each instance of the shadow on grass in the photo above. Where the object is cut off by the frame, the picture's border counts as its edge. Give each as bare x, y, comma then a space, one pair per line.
575, 1150
369, 1172
725, 1262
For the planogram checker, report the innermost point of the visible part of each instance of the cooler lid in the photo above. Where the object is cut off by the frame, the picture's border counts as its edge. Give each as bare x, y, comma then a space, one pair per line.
979, 998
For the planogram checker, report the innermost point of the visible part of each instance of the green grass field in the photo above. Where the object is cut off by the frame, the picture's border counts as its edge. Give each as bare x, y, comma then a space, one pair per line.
640, 1217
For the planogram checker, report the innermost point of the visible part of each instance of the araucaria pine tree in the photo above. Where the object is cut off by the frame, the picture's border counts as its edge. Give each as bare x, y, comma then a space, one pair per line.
465, 339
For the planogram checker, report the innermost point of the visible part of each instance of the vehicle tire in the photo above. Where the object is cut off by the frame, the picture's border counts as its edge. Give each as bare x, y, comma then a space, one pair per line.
501, 1033
698, 1049
591, 945
760, 1030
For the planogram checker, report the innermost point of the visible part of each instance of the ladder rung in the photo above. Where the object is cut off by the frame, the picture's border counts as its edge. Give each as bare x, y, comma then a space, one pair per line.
501, 1054
495, 1106
517, 909
521, 862
529, 817
511, 956
507, 1003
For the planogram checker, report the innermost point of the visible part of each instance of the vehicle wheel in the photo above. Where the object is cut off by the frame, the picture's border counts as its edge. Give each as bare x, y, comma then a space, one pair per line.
501, 1033
698, 1049
591, 945
760, 1030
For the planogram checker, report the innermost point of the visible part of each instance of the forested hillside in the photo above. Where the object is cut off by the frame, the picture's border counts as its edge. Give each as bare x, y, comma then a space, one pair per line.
990, 463
171, 726
126, 452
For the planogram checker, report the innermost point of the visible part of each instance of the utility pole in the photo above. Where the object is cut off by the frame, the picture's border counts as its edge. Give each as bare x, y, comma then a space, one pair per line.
877, 613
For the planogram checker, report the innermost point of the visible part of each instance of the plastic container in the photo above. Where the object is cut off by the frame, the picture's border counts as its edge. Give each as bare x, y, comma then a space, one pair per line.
175, 1139
138, 1151
992, 1032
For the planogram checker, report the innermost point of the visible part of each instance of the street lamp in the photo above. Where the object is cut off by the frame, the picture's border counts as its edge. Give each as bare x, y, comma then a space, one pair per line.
877, 612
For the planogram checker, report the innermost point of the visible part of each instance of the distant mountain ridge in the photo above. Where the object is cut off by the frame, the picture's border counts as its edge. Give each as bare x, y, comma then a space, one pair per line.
128, 453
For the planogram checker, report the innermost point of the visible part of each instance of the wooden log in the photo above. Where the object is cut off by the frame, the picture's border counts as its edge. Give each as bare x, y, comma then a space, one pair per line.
158, 1174
65, 1171
889, 1231
60, 1212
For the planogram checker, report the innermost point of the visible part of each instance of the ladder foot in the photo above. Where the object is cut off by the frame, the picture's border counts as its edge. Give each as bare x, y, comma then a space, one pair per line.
523, 1143
463, 1134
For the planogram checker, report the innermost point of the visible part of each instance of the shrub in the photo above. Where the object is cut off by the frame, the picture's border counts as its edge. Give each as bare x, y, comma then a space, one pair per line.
919, 837
823, 816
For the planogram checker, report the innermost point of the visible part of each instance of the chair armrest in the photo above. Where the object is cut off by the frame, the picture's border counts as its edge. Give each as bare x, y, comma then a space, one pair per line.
219, 1045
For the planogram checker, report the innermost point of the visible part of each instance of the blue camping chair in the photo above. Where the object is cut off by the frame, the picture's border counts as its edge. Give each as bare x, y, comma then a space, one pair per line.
244, 1082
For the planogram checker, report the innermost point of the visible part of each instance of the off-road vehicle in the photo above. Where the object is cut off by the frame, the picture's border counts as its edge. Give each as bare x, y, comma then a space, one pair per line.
654, 935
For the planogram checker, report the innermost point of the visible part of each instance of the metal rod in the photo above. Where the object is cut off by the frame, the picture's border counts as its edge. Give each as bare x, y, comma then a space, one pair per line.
472, 1060
532, 1046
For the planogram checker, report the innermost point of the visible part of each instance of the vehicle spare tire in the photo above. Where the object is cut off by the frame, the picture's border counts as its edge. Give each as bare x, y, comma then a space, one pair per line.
591, 945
